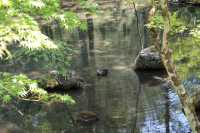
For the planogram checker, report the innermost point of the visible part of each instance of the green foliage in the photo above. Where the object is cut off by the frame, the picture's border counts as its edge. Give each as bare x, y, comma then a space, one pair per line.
23, 43
61, 98
6, 99
20, 22
177, 25
90, 6
43, 59
22, 34
69, 20
196, 33
186, 53
15, 87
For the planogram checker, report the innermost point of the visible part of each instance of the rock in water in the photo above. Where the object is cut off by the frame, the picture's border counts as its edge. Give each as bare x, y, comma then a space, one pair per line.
102, 72
87, 117
148, 59
56, 83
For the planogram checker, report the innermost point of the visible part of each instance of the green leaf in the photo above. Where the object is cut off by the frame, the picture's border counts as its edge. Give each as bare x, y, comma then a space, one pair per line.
7, 99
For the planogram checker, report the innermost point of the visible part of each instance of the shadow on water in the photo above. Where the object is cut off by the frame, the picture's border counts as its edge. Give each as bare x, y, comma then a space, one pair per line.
125, 101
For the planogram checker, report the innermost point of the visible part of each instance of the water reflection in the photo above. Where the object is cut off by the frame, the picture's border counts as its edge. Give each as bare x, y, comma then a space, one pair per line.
125, 101
84, 49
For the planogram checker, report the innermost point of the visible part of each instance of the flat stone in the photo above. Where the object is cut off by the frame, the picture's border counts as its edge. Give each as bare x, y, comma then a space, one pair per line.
87, 117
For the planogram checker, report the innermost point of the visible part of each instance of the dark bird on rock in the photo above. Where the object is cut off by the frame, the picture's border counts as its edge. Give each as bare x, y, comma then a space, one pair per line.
102, 72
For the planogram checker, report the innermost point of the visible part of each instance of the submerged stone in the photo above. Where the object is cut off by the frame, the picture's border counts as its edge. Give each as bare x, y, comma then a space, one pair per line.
65, 86
87, 117
148, 59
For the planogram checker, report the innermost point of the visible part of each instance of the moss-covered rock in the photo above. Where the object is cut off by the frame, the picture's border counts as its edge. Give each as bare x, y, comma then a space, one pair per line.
148, 59
61, 84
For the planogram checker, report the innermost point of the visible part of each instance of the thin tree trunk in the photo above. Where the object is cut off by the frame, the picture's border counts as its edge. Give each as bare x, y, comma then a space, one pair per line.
166, 55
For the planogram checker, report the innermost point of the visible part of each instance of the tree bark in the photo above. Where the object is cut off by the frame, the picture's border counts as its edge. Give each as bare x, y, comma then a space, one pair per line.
166, 55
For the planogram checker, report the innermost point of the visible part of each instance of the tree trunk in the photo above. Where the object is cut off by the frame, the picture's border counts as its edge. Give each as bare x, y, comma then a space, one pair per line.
166, 55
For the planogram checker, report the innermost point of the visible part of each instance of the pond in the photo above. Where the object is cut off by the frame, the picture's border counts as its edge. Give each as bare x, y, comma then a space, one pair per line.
125, 101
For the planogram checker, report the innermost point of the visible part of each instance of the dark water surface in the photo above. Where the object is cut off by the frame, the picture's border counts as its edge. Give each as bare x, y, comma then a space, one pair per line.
125, 101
